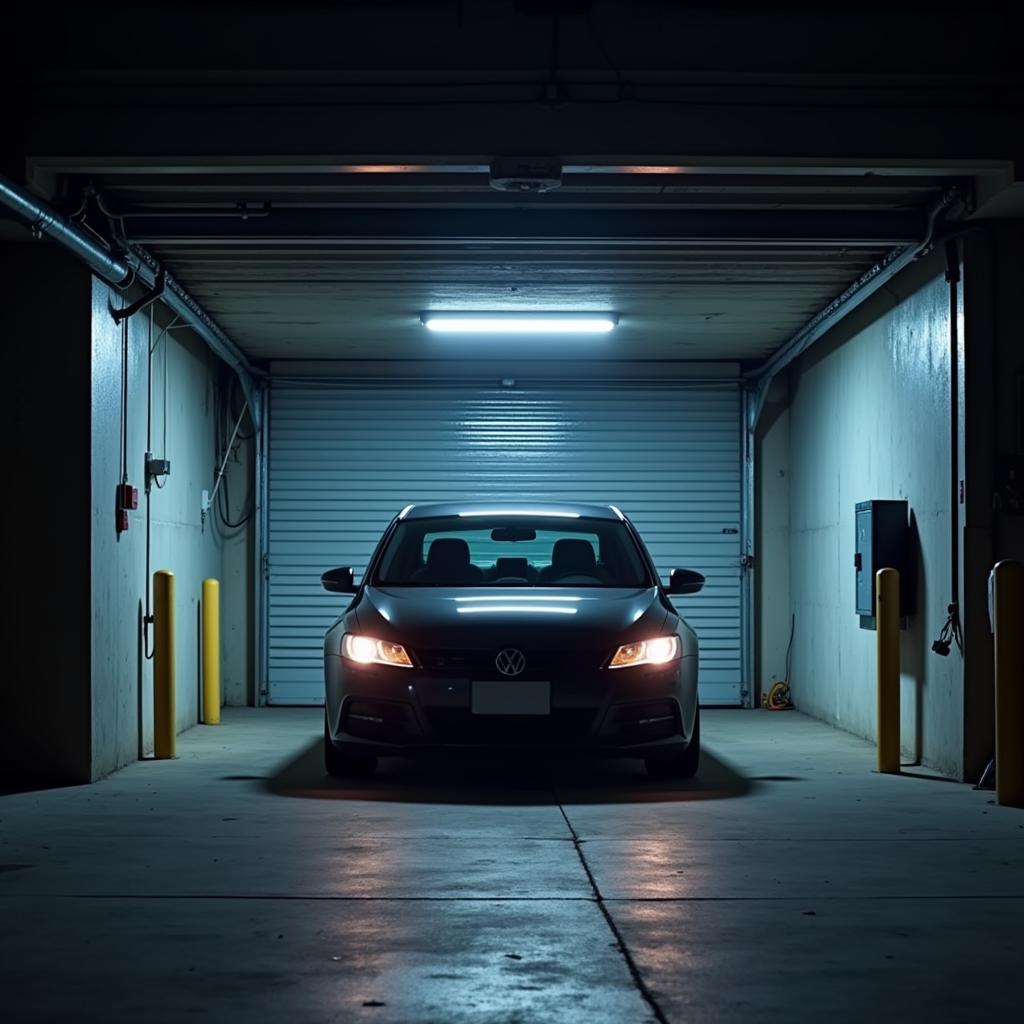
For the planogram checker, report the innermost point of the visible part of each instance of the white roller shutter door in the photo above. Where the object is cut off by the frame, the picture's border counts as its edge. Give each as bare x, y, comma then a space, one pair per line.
344, 459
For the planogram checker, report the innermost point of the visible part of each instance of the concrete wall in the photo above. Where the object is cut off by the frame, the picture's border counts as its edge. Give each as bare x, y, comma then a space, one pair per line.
78, 693
44, 300
1008, 297
237, 593
869, 418
771, 496
994, 494
185, 375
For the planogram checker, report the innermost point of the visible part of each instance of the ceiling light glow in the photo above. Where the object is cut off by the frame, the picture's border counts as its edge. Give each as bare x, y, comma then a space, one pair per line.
519, 323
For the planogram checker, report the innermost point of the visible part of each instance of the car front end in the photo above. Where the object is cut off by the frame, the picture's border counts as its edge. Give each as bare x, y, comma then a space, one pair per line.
447, 689
571, 643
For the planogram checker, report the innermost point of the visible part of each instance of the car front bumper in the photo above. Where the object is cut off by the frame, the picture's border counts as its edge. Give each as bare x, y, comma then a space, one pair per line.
377, 710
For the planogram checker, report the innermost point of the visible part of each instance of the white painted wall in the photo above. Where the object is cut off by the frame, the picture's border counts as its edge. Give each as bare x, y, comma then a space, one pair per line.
184, 374
869, 418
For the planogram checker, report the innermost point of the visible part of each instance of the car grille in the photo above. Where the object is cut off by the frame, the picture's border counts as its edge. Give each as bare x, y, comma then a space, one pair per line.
480, 664
457, 725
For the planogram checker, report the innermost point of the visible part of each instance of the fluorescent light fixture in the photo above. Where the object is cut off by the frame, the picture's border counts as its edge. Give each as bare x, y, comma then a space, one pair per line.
521, 597
518, 323
519, 512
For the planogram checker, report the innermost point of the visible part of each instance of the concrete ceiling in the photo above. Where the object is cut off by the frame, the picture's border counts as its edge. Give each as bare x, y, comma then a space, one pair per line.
337, 262
321, 304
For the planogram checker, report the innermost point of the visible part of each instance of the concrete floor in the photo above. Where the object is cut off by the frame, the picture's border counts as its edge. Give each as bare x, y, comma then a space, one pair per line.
238, 884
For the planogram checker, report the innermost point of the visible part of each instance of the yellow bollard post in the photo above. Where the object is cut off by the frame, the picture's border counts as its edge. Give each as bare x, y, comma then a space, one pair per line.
163, 664
1008, 626
887, 638
211, 652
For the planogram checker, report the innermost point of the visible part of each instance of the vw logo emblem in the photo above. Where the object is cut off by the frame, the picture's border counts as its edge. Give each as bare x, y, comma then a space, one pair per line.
510, 662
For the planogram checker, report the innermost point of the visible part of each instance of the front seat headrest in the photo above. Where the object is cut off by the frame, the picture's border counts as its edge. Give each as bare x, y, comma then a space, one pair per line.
571, 555
448, 553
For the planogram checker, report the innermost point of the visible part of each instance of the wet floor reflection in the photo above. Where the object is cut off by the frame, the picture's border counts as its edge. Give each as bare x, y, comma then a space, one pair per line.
458, 961
515, 779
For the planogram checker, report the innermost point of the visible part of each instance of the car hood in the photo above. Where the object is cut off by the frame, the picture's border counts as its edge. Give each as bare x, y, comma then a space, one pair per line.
442, 617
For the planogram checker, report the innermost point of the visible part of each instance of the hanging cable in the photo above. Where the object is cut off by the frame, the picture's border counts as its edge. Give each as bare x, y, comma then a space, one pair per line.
154, 345
166, 388
224, 461
224, 508
124, 400
232, 388
951, 632
153, 477
779, 695
225, 414
789, 649
147, 619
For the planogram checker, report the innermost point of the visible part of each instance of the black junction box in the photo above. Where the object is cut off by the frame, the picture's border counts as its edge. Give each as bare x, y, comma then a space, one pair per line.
883, 542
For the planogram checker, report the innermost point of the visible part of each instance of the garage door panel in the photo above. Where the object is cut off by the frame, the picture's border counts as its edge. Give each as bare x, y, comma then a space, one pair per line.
344, 459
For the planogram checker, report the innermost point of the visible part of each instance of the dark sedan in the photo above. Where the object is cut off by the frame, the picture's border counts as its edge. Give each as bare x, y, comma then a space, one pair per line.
483, 626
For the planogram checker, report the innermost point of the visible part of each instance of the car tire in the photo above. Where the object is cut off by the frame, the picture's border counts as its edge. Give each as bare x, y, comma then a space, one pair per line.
345, 766
681, 765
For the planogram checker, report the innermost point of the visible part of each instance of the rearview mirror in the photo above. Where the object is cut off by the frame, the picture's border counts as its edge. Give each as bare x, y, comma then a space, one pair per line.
513, 533
685, 581
338, 581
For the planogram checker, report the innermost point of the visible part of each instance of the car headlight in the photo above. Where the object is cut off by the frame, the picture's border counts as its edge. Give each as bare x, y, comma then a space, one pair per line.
369, 651
659, 651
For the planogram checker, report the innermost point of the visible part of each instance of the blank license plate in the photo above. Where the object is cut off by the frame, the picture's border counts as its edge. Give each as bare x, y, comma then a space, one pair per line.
501, 697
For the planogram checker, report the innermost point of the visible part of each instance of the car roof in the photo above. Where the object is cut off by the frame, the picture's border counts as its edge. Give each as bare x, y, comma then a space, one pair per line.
512, 507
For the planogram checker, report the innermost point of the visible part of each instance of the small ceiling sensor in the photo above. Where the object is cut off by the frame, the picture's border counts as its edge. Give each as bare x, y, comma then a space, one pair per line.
525, 173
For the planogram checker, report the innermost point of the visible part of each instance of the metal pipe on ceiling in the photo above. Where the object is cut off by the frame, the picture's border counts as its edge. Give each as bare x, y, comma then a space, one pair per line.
118, 271
44, 221
841, 306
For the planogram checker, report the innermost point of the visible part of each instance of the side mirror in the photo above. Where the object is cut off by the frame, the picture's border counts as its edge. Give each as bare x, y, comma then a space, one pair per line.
338, 581
685, 581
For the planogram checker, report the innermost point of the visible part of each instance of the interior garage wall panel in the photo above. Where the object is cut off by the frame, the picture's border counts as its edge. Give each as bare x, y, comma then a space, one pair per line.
869, 418
344, 460
122, 677
772, 601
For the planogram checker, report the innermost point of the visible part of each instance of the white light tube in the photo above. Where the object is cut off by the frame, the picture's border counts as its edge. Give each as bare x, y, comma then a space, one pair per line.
519, 323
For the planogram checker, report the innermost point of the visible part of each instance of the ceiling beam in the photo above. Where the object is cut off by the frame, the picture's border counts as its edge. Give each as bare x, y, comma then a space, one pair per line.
511, 225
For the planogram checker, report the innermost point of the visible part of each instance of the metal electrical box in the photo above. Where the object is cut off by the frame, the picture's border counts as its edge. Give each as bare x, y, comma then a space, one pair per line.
883, 541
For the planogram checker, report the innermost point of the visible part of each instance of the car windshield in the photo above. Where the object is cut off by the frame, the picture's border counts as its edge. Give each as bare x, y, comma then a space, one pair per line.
511, 551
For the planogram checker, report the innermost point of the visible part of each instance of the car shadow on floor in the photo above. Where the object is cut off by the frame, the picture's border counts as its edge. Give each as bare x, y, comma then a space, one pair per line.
513, 779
